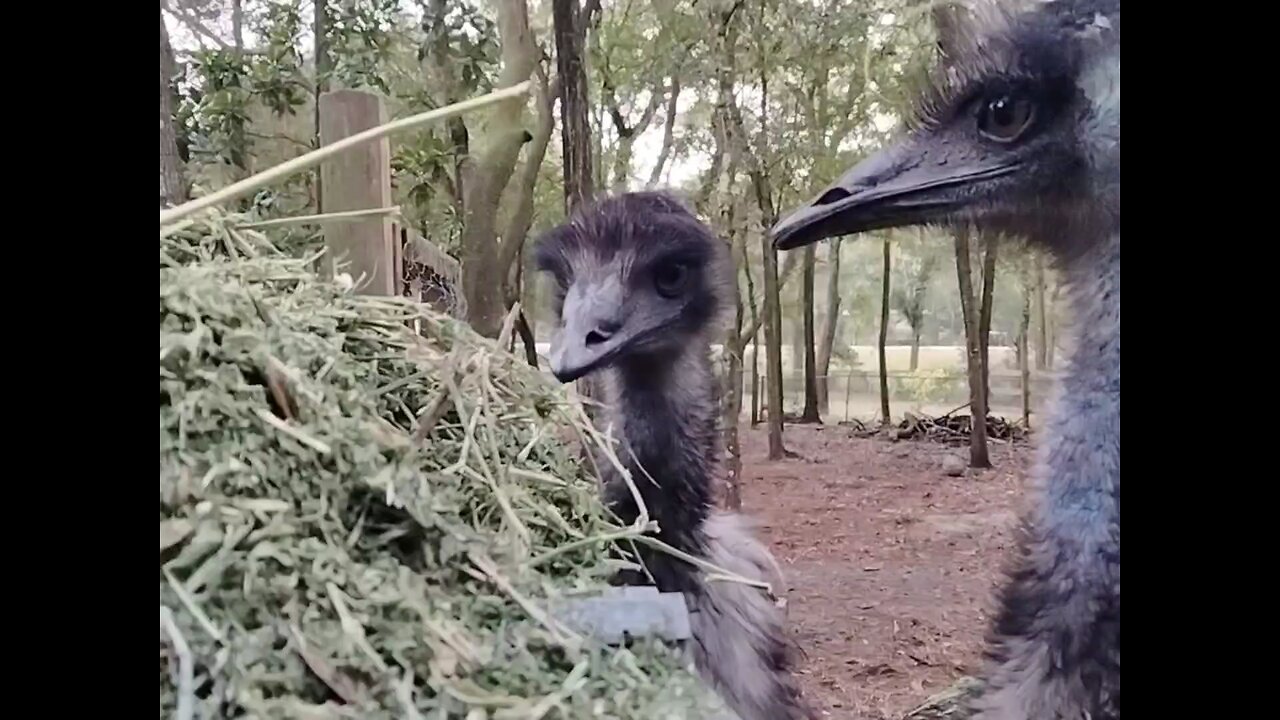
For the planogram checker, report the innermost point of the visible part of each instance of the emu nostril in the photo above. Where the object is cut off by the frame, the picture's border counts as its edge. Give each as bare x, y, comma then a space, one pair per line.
833, 195
603, 332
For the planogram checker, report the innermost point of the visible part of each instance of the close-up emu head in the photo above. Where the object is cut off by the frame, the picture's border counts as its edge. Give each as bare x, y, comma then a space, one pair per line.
637, 278
1019, 133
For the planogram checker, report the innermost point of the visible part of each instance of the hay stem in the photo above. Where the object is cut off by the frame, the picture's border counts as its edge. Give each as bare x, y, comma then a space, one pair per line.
353, 628
315, 157
284, 427
558, 632
707, 567
186, 667
572, 682
320, 218
601, 538
190, 604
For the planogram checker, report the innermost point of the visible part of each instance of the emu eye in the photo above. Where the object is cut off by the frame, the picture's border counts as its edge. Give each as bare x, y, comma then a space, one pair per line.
670, 278
1005, 118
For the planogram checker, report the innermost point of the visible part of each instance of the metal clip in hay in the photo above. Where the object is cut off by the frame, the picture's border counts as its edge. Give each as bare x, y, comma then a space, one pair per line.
623, 613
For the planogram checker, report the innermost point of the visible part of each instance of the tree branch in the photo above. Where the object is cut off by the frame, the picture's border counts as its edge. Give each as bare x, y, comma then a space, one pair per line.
482, 279
186, 17
517, 229
788, 267
668, 131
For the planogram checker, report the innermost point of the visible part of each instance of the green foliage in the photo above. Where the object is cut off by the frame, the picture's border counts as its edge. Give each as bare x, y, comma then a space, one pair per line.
361, 39
218, 106
931, 386
918, 260
818, 85
463, 42
278, 80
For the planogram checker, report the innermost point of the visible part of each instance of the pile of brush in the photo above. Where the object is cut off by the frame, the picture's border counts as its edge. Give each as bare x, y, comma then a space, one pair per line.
955, 429
366, 510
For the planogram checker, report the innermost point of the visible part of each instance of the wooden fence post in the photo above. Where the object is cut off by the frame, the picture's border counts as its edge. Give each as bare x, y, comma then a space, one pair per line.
359, 179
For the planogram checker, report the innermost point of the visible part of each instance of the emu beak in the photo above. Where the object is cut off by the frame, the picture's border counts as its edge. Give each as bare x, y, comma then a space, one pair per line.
591, 332
896, 187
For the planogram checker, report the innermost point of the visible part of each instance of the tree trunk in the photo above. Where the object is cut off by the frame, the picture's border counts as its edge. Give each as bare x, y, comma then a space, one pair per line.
884, 339
1051, 343
810, 412
173, 188
755, 380
915, 349
668, 131
1042, 324
728, 112
829, 324
990, 247
788, 269
732, 410
324, 65
627, 135
517, 227
773, 339
237, 23
978, 456
575, 123
239, 140
755, 338
483, 278
1024, 364
797, 337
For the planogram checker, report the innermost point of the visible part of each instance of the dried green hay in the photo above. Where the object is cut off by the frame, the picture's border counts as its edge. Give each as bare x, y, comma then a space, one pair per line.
952, 703
357, 521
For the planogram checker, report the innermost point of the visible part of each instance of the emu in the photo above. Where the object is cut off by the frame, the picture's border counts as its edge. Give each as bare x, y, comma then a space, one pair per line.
1022, 135
641, 284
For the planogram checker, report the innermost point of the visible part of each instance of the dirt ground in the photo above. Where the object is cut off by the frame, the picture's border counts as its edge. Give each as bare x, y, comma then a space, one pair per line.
890, 564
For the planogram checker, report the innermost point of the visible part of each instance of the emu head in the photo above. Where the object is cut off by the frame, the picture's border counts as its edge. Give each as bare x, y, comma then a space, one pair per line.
638, 277
1019, 134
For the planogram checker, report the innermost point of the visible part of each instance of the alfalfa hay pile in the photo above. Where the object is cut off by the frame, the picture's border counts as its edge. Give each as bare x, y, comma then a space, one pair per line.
360, 522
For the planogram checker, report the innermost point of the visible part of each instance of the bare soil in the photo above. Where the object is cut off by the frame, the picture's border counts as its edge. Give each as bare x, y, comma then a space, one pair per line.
891, 565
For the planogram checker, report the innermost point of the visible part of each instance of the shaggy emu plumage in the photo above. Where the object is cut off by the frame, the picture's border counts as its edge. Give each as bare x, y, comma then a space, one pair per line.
1022, 136
641, 283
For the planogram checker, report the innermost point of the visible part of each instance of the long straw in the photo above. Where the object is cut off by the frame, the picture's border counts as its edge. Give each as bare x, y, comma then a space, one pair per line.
315, 157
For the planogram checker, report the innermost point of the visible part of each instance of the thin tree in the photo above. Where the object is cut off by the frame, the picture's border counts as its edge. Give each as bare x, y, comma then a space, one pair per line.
830, 323
911, 299
755, 338
731, 117
1042, 317
324, 67
990, 244
668, 131
570, 21
733, 376
978, 455
884, 336
173, 187
575, 123
810, 412
1024, 364
521, 219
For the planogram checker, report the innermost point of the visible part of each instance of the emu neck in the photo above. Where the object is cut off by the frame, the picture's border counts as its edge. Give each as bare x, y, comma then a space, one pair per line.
664, 412
1079, 464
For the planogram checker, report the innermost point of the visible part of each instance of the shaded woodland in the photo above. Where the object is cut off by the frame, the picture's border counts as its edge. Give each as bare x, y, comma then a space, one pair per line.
744, 107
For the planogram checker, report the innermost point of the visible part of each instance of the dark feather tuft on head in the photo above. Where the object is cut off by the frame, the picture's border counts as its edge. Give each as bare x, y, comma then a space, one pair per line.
637, 230
996, 48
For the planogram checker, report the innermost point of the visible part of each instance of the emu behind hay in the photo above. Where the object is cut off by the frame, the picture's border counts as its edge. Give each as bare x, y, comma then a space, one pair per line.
360, 522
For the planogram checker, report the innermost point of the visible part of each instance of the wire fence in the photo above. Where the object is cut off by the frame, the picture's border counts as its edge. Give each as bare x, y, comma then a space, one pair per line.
855, 394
